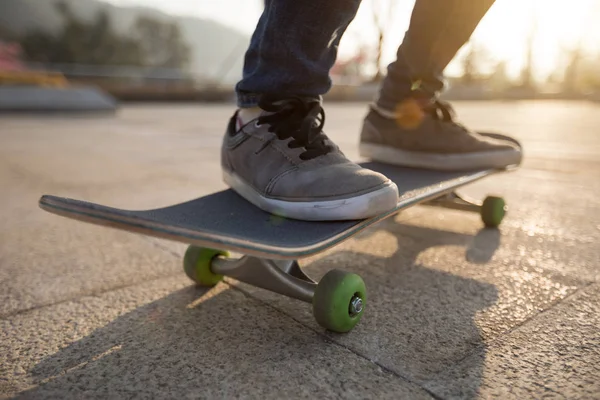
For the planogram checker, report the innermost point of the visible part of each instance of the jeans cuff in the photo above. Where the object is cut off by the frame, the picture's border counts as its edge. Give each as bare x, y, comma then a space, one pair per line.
247, 99
389, 99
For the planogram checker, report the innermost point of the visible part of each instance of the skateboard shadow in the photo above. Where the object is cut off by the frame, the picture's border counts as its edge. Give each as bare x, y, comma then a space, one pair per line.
480, 248
191, 344
224, 342
422, 321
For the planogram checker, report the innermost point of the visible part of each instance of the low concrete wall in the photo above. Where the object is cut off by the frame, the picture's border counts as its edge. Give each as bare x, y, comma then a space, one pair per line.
51, 99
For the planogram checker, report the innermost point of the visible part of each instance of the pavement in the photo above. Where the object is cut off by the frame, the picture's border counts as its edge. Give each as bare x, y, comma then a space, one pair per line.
455, 310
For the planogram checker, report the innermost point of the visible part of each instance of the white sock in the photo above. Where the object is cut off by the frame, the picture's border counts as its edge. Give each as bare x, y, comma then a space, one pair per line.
246, 115
384, 112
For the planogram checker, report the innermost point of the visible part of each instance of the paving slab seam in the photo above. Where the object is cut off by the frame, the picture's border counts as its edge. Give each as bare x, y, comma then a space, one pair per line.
477, 349
330, 340
533, 316
76, 298
501, 335
100, 292
546, 388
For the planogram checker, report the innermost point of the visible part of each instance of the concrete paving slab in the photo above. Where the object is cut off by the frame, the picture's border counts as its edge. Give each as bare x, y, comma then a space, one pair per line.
45, 258
554, 355
167, 339
554, 223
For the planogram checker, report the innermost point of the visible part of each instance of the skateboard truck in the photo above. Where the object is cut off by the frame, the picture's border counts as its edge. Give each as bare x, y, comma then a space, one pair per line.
280, 276
491, 210
338, 299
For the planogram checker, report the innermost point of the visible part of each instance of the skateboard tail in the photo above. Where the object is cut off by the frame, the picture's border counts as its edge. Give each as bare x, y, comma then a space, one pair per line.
64, 208
96, 214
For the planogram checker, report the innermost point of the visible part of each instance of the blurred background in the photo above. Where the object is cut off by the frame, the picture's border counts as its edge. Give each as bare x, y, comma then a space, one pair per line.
193, 50
458, 310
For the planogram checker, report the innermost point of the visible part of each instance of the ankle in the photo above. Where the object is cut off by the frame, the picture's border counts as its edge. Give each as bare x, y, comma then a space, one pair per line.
383, 111
246, 115
407, 114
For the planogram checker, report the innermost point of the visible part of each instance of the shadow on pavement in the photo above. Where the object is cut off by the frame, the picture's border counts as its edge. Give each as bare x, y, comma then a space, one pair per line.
420, 322
480, 248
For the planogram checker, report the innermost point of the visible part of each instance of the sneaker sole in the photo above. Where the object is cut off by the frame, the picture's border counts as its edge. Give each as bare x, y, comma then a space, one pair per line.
442, 162
364, 206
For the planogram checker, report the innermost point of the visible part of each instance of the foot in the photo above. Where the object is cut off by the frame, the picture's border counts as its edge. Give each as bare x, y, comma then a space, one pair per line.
430, 138
283, 163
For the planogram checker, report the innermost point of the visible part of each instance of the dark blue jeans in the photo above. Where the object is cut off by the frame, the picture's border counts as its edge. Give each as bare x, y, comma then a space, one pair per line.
295, 44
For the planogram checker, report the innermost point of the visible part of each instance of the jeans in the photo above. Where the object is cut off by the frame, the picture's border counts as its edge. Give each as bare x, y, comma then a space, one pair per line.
296, 42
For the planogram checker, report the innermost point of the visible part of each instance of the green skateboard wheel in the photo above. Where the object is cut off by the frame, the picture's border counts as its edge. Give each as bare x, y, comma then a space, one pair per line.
197, 262
493, 210
339, 301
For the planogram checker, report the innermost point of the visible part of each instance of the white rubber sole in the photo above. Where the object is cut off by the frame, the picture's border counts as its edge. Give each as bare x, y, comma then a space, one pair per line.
360, 207
442, 162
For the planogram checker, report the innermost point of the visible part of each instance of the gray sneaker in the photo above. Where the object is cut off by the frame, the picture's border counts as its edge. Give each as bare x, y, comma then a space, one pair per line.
438, 143
283, 163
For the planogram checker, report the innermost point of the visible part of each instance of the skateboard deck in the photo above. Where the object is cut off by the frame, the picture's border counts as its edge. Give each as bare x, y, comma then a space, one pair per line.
226, 221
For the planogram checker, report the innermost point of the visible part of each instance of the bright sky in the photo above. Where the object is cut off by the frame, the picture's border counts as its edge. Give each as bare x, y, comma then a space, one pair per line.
503, 31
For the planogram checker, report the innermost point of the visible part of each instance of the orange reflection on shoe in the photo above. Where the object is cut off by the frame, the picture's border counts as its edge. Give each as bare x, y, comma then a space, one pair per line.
409, 114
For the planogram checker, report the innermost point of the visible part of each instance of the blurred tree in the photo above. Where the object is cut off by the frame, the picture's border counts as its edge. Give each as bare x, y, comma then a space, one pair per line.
6, 34
161, 43
381, 9
82, 42
580, 72
527, 72
153, 43
40, 47
571, 74
474, 62
590, 78
499, 79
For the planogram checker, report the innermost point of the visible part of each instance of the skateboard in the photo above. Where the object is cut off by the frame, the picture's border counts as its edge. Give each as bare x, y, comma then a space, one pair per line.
270, 246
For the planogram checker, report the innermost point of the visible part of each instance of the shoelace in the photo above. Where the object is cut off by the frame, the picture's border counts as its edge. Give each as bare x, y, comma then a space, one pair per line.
443, 112
298, 118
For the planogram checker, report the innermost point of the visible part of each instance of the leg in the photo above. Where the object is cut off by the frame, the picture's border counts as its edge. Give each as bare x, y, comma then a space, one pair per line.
407, 125
438, 29
293, 48
275, 153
